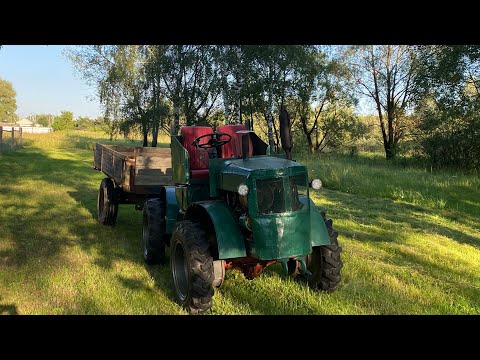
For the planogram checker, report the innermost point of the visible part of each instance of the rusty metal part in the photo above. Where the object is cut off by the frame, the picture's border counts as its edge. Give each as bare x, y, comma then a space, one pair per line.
293, 267
218, 272
243, 201
249, 266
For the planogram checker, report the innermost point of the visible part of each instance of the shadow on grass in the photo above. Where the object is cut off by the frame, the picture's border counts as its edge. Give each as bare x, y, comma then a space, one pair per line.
8, 310
38, 229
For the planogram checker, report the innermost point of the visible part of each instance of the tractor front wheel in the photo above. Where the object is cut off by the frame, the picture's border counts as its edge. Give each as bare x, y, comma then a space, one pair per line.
107, 204
192, 267
325, 262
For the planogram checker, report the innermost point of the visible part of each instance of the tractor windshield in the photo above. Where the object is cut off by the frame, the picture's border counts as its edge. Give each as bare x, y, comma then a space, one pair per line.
279, 195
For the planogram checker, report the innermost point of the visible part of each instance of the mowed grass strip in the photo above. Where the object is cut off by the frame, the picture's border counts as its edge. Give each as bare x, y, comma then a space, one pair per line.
407, 255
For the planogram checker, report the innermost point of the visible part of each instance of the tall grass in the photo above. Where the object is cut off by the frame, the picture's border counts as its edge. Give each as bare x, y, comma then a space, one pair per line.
82, 139
371, 176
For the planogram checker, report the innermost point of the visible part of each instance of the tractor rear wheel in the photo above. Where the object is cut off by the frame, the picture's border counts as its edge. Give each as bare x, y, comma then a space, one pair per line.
192, 267
107, 203
325, 262
153, 232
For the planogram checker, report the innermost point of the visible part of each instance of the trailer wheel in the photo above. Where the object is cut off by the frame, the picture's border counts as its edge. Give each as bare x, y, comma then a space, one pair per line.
192, 267
325, 262
153, 232
107, 203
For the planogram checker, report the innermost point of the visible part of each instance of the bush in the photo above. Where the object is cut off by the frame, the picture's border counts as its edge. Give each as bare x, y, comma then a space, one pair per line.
63, 122
452, 140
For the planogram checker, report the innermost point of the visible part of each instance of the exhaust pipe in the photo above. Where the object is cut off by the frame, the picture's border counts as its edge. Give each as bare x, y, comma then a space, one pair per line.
286, 133
245, 143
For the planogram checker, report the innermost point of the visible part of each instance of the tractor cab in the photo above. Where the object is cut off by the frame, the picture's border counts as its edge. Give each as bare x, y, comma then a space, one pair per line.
199, 144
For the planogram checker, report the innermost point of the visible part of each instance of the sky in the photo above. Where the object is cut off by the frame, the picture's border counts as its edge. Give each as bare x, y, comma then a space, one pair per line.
45, 81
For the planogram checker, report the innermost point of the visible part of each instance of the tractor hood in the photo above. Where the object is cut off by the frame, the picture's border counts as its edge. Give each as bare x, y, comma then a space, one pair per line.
229, 173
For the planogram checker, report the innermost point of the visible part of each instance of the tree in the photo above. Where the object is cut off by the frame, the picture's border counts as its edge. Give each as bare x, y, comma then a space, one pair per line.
64, 121
8, 103
143, 85
44, 119
448, 94
191, 81
386, 74
322, 100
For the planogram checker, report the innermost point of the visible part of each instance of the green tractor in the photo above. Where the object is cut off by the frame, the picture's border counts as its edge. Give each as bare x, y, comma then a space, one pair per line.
235, 206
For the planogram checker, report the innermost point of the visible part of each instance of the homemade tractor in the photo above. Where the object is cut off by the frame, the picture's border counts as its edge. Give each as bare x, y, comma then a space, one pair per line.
223, 203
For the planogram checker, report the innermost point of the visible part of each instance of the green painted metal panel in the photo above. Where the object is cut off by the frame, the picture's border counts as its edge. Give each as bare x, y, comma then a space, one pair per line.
172, 209
181, 197
280, 236
180, 162
187, 195
230, 239
318, 229
231, 181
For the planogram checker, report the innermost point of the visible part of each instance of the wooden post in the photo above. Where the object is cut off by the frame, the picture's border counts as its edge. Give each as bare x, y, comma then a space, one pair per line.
1, 143
13, 135
20, 136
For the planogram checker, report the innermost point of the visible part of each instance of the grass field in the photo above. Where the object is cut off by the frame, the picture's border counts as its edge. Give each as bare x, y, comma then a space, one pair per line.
410, 238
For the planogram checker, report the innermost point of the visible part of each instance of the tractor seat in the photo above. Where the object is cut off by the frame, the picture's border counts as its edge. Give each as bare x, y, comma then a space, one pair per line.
234, 147
199, 160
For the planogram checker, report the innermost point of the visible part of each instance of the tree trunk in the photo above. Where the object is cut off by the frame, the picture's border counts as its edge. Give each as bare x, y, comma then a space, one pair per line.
156, 126
277, 141
176, 119
145, 133
239, 85
389, 152
286, 132
269, 119
308, 134
226, 104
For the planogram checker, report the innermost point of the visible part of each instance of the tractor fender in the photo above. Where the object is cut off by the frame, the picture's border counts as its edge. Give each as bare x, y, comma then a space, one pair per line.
229, 237
171, 209
318, 228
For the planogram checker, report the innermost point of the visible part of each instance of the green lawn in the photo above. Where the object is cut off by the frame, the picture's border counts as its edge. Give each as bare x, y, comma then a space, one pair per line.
411, 241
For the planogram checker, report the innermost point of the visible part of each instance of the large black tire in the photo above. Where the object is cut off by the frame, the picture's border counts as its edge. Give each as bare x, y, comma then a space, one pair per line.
325, 262
192, 267
107, 202
153, 232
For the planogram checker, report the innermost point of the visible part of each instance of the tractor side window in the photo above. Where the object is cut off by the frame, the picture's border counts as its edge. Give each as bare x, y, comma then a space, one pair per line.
298, 186
270, 196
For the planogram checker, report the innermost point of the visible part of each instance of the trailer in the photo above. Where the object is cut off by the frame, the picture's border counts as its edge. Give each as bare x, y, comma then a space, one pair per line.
134, 175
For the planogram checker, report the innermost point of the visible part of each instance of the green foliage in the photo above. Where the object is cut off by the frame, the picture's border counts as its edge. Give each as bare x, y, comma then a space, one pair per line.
448, 93
43, 119
451, 138
8, 103
336, 128
85, 123
64, 121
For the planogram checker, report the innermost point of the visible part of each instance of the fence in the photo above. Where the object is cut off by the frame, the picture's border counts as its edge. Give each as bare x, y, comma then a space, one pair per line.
10, 140
29, 129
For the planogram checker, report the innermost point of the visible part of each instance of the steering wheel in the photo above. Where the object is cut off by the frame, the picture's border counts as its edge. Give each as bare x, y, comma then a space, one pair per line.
213, 142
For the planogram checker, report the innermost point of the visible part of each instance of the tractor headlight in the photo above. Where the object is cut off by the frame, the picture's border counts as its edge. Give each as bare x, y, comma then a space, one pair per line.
242, 190
316, 184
